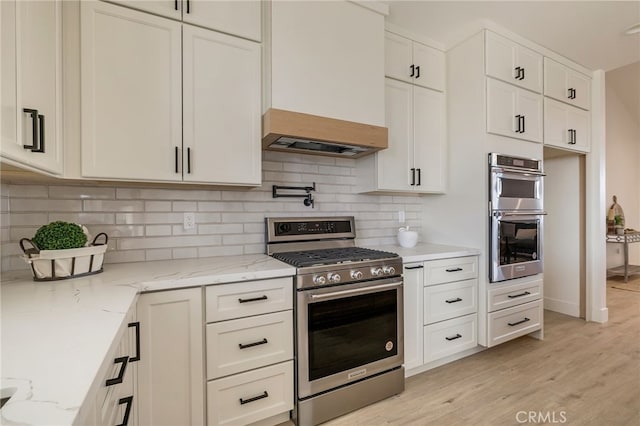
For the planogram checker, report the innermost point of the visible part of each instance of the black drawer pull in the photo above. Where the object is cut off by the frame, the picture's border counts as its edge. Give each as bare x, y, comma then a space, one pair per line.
413, 70
457, 336
513, 324
122, 360
253, 299
250, 345
454, 270
457, 299
255, 398
414, 267
513, 296
127, 411
137, 327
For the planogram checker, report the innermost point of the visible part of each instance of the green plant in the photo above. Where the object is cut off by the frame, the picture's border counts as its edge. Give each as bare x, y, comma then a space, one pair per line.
59, 236
617, 219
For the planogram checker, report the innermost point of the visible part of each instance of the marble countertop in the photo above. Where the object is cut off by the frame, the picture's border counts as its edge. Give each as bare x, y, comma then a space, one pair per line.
55, 335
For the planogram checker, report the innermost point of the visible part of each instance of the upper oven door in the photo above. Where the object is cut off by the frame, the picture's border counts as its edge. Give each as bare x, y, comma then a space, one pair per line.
514, 190
515, 245
348, 332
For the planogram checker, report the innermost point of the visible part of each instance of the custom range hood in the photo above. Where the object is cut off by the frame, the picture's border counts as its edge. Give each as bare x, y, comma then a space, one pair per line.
311, 134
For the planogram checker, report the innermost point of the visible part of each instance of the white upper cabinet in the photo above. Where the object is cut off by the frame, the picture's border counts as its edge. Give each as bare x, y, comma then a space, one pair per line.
414, 62
513, 63
131, 103
237, 17
513, 112
566, 127
222, 108
566, 85
326, 59
31, 84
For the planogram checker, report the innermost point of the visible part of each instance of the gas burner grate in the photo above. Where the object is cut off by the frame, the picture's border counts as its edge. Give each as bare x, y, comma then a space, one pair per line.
331, 256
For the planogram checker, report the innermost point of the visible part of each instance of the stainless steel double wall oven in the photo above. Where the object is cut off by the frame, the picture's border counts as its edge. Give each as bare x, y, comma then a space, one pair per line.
349, 316
516, 217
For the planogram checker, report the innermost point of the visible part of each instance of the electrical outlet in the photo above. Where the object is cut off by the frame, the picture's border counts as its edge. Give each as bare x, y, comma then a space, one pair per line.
401, 216
189, 220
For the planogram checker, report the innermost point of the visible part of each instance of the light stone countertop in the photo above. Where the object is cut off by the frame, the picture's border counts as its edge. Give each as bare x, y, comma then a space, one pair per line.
55, 335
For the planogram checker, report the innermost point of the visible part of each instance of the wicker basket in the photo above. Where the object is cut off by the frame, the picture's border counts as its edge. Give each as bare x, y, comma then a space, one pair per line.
51, 265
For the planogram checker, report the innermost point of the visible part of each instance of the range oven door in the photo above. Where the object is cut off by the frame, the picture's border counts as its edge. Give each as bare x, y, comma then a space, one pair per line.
515, 190
349, 332
515, 244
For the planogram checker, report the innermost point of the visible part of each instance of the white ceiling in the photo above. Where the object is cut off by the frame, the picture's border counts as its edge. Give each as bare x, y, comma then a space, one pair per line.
587, 32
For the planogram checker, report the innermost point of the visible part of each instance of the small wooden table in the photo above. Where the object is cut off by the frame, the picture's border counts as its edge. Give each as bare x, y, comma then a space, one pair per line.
625, 240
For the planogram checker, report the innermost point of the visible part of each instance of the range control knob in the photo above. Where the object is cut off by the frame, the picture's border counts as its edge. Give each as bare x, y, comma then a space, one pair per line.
376, 272
319, 279
356, 275
333, 277
389, 270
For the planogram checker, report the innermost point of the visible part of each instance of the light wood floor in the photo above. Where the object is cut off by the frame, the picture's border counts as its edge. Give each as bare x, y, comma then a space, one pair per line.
584, 373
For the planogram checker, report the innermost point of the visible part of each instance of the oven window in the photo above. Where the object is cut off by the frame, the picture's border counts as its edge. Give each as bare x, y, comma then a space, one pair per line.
353, 331
516, 188
518, 241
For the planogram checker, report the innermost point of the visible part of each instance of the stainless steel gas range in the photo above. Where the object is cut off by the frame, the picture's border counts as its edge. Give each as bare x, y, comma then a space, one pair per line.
349, 316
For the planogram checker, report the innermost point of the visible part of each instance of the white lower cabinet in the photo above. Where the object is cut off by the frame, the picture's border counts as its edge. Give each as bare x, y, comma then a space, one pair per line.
249, 352
440, 310
171, 377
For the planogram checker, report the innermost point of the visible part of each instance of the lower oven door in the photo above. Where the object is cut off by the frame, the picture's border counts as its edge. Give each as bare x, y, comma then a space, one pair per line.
347, 333
515, 245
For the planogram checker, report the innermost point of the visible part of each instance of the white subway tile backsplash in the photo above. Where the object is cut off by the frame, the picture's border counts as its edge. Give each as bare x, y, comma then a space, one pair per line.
145, 224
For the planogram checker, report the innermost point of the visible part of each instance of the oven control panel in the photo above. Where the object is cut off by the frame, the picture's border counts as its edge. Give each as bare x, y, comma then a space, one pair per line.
348, 273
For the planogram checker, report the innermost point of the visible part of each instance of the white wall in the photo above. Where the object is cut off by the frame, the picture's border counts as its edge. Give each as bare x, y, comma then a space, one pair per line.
146, 223
564, 233
623, 152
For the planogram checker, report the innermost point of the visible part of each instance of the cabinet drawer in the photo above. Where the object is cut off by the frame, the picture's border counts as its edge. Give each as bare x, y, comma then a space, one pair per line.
448, 270
248, 397
244, 299
247, 343
514, 322
449, 337
505, 296
446, 301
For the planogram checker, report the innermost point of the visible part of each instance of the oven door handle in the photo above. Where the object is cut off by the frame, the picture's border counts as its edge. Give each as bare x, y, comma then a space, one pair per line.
518, 172
355, 291
518, 213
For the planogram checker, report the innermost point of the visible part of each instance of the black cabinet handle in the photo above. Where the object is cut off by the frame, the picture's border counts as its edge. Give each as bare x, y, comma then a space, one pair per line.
523, 123
418, 71
176, 155
519, 73
572, 93
520, 119
413, 70
457, 299
454, 270
522, 78
414, 267
419, 177
518, 128
188, 7
123, 367
127, 412
457, 336
255, 398
572, 137
514, 296
137, 327
250, 345
188, 160
513, 324
175, 4
253, 299
40, 147
413, 177
37, 131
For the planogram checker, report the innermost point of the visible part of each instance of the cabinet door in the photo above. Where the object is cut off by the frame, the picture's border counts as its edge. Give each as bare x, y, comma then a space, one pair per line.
413, 325
566, 85
581, 87
398, 57
429, 142
222, 108
171, 370
131, 94
529, 105
510, 62
513, 112
33, 82
168, 8
238, 17
395, 163
566, 126
431, 65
